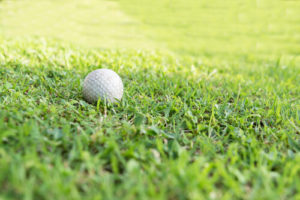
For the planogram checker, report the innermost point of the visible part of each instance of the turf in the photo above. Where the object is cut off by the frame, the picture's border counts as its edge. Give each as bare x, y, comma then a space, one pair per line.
219, 28
212, 126
89, 23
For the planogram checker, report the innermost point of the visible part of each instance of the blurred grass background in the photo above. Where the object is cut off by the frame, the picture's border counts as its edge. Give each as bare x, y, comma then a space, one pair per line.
188, 27
89, 23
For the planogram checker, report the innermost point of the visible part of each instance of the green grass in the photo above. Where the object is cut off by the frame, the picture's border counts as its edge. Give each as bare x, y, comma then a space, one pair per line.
196, 121
89, 23
221, 28
212, 29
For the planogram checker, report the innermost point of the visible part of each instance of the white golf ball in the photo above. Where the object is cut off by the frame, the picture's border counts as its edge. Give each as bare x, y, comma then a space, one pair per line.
102, 83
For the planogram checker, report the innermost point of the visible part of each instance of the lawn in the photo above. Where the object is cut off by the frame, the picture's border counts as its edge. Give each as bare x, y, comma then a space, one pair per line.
211, 108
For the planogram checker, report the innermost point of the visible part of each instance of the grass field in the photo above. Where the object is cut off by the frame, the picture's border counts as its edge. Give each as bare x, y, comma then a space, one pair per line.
211, 108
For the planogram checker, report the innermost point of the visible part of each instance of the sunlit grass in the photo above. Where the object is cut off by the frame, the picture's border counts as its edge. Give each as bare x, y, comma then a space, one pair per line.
209, 28
213, 28
90, 23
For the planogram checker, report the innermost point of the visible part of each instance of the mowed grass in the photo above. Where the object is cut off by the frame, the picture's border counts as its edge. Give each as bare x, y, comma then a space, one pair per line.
89, 23
199, 122
219, 28
209, 29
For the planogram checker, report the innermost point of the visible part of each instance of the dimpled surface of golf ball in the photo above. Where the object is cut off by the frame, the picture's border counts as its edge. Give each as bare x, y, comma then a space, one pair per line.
104, 84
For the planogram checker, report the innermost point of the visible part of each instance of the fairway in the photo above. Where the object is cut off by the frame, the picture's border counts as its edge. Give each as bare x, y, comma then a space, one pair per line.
210, 110
89, 23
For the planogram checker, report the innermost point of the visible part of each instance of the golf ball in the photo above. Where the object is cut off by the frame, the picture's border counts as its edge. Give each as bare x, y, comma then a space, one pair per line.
104, 84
